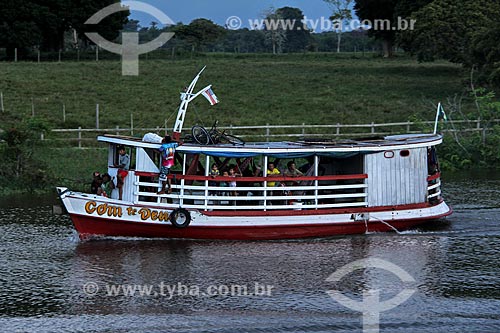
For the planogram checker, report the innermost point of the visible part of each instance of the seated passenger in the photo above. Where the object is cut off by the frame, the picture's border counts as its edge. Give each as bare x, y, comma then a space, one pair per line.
224, 184
292, 171
213, 173
107, 186
272, 171
96, 183
232, 183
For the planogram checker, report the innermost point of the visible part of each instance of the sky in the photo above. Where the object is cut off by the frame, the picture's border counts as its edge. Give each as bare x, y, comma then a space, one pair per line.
220, 10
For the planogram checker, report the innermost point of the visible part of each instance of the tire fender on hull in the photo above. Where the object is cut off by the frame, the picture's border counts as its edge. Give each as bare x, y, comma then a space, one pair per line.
180, 218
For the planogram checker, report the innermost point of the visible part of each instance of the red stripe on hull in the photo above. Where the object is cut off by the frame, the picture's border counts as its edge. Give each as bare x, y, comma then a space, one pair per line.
89, 226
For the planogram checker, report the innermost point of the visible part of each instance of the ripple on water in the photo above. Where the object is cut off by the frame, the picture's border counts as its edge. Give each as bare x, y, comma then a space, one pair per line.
456, 266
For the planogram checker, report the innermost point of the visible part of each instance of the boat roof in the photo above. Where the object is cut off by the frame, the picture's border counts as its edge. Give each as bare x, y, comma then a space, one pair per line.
339, 148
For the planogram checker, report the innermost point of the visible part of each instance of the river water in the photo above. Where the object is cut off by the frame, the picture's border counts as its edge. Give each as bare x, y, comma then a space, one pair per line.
52, 282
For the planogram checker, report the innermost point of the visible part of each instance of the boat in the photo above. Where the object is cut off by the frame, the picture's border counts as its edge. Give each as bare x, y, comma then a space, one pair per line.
390, 183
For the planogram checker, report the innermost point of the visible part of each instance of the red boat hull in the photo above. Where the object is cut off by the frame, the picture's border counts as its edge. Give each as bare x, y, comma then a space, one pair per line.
88, 226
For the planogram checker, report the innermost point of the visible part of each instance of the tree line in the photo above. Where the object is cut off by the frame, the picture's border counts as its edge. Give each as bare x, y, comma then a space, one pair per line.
49, 25
461, 31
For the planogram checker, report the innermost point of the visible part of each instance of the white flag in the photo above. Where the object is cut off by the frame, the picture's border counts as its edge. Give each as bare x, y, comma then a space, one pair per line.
210, 96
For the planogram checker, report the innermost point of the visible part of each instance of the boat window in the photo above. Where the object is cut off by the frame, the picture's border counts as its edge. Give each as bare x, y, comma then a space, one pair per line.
404, 153
341, 166
389, 154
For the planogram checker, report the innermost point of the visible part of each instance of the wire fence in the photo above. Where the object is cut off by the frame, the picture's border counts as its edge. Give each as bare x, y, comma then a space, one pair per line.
86, 137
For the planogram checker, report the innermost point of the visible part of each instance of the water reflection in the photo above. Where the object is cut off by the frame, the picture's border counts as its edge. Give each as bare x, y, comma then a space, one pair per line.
297, 270
456, 265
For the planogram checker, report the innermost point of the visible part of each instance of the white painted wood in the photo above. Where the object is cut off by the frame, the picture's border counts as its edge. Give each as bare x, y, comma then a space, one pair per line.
144, 162
398, 180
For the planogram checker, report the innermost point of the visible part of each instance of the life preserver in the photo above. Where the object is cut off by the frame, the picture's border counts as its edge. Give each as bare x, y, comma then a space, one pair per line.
180, 218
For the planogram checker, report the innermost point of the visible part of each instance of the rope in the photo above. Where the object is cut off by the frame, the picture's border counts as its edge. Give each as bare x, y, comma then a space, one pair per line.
387, 224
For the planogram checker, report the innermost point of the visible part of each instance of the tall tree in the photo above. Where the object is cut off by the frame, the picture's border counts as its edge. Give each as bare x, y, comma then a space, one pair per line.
274, 30
378, 10
461, 31
199, 33
79, 11
342, 12
297, 35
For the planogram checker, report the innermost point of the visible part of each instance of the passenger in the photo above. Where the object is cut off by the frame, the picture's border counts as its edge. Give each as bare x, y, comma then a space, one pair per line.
107, 186
272, 171
124, 166
224, 184
292, 171
96, 183
167, 151
213, 173
232, 183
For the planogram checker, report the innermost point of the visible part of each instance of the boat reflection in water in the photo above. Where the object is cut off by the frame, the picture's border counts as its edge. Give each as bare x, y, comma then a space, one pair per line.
297, 272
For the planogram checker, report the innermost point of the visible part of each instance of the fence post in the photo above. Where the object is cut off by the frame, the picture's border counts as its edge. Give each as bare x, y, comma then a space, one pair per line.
32, 107
1, 102
231, 129
59, 57
42, 136
338, 128
97, 116
97, 53
303, 129
64, 113
268, 132
117, 130
373, 128
79, 137
478, 123
408, 126
132, 124
15, 54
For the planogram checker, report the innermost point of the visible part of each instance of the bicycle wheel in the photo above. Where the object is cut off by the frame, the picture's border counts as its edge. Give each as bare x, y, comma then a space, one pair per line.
232, 139
200, 135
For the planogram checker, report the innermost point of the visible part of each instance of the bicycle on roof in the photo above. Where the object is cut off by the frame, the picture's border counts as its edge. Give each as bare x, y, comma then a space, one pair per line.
213, 136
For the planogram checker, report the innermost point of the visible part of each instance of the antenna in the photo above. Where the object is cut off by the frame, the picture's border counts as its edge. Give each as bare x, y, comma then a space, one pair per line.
439, 111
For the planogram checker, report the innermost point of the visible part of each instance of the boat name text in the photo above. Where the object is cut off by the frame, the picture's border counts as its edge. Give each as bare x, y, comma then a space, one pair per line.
92, 207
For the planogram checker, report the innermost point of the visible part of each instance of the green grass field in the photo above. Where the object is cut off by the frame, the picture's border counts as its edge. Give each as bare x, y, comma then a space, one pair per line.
252, 89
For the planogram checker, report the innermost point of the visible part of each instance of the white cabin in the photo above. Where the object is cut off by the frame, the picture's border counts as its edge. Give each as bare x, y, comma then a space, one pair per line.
394, 171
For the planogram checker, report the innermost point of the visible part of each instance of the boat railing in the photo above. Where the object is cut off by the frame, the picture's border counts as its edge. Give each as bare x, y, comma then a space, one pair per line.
434, 187
254, 193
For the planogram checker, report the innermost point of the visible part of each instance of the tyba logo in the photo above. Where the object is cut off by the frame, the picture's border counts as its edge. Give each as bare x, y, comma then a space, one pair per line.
130, 49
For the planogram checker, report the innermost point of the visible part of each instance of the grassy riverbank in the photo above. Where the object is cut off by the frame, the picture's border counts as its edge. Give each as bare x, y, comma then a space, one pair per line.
253, 90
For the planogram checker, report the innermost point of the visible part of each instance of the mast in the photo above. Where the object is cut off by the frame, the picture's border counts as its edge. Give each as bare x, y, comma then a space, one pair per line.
186, 98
